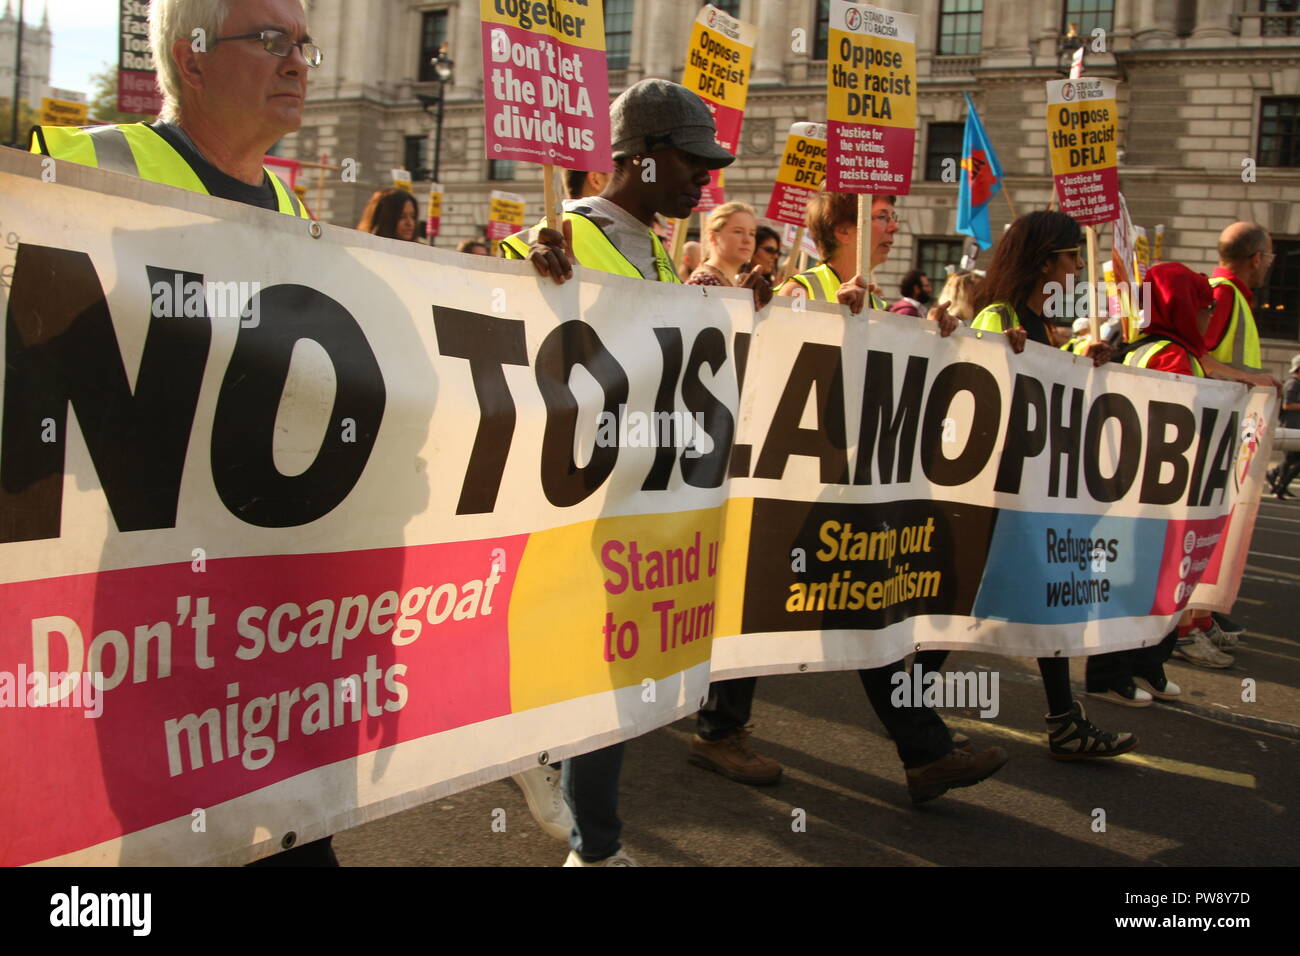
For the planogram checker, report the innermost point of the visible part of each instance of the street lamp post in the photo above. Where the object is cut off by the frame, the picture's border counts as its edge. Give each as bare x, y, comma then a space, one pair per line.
443, 67
1066, 47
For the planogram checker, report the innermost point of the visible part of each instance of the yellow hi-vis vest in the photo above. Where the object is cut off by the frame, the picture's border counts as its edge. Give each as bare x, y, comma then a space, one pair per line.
1240, 344
998, 317
822, 283
1078, 344
592, 248
135, 149
1143, 351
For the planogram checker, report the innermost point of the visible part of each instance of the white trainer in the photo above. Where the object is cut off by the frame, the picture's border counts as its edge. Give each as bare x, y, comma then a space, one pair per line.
1169, 691
541, 787
621, 858
1196, 649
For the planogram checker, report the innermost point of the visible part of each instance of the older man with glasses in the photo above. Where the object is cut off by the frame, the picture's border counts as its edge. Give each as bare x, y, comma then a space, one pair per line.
226, 101
231, 89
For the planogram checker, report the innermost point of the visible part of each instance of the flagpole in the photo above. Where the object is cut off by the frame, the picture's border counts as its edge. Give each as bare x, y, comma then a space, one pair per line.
1006, 191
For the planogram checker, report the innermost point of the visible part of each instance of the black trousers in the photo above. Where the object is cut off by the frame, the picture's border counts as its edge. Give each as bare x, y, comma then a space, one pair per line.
1118, 668
919, 734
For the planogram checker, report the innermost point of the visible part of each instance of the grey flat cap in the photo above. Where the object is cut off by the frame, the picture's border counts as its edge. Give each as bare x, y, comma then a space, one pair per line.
656, 114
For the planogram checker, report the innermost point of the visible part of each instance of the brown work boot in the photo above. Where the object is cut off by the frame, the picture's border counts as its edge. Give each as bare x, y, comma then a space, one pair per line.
959, 769
733, 757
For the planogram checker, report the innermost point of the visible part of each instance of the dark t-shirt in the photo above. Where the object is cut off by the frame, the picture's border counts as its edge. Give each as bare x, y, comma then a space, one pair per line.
1291, 396
214, 180
1034, 324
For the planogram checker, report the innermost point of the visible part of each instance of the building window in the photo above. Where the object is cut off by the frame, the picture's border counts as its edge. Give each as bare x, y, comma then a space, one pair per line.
960, 23
1088, 15
1277, 304
501, 169
1279, 131
618, 33
822, 29
1280, 26
932, 255
728, 6
942, 141
416, 157
433, 34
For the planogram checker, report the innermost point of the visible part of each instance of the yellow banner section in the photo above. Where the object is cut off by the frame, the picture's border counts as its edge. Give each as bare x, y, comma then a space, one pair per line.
613, 602
717, 65
63, 112
435, 203
872, 80
804, 161
1082, 135
576, 22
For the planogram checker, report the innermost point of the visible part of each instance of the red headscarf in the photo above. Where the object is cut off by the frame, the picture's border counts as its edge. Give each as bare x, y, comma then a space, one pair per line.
1177, 295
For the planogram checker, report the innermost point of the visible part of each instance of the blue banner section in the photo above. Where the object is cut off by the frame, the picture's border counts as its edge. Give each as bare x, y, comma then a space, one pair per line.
1062, 569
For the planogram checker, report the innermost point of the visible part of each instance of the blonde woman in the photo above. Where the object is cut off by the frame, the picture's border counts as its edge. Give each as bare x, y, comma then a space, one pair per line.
731, 229
957, 292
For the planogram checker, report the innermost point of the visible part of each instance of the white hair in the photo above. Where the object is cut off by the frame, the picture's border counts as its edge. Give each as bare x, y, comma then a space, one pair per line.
172, 20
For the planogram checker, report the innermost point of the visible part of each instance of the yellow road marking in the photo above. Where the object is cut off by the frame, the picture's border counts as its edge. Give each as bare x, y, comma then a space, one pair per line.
1145, 760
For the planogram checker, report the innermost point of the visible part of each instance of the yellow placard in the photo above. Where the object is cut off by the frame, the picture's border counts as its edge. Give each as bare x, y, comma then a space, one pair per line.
803, 163
576, 22
507, 211
718, 65
1082, 125
435, 203
63, 112
871, 77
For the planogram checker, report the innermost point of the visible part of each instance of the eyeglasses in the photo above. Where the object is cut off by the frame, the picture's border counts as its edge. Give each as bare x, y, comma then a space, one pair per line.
885, 218
278, 43
1073, 250
769, 250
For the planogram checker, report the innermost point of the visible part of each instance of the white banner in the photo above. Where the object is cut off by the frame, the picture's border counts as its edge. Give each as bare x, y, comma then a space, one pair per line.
301, 526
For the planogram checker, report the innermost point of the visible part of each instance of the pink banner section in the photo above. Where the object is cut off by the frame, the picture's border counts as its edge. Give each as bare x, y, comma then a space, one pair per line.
221, 681
869, 159
1193, 552
544, 101
788, 203
1092, 197
500, 230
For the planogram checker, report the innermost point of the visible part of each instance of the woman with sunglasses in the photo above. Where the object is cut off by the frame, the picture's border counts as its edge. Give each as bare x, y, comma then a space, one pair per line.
1033, 261
767, 252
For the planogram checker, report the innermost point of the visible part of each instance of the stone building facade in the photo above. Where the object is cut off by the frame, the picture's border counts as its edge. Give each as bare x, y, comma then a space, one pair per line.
1209, 103
38, 45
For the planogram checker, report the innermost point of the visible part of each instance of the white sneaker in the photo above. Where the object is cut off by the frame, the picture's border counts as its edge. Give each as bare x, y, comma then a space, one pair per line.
621, 858
1219, 637
1196, 649
1169, 691
541, 787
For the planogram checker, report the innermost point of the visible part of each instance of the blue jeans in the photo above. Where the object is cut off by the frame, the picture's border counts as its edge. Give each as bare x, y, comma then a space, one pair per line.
590, 784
